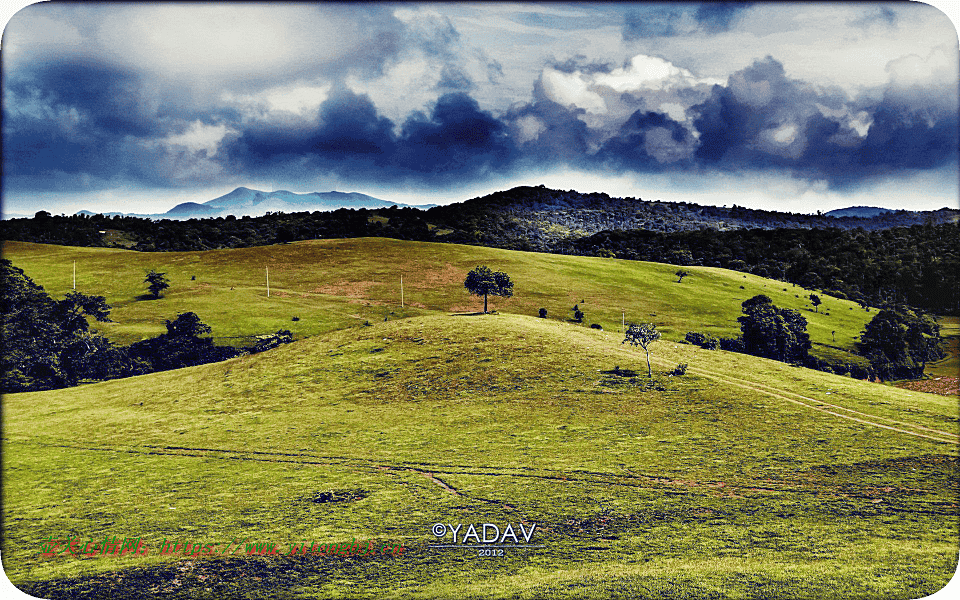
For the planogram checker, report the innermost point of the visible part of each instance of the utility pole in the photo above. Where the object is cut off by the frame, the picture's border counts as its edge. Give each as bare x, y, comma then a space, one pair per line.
268, 281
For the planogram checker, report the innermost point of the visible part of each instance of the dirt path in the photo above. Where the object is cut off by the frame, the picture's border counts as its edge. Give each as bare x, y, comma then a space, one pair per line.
832, 409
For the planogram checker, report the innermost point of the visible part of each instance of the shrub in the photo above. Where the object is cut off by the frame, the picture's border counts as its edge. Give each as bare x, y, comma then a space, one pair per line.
680, 369
704, 340
577, 313
732, 344
596, 326
543, 313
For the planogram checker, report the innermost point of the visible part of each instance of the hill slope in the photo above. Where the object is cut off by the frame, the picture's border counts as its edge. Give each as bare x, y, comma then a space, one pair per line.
743, 476
330, 284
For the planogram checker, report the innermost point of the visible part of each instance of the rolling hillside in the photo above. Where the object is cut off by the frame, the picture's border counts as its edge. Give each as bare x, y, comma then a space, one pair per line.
331, 284
741, 477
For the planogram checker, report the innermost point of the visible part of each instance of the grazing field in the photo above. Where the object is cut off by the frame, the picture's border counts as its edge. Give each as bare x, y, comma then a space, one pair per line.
331, 284
742, 478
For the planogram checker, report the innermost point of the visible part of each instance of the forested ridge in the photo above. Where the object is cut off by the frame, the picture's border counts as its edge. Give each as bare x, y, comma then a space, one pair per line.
895, 257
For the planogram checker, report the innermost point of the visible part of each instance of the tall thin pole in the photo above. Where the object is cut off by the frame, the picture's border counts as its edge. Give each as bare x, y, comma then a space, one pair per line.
268, 281
74, 275
623, 321
401, 291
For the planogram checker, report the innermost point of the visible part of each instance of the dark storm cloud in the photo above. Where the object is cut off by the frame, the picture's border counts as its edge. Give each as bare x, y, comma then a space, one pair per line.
648, 141
350, 131
456, 140
715, 17
96, 114
763, 119
66, 125
550, 133
666, 19
650, 23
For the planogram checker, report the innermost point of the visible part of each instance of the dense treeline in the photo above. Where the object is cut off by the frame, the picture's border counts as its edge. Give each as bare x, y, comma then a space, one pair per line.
916, 265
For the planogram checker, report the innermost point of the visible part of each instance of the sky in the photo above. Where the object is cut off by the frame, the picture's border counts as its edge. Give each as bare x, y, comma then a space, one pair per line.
794, 107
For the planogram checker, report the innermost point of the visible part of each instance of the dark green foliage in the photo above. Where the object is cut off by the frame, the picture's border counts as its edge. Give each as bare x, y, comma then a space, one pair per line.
816, 301
642, 335
596, 326
679, 370
578, 315
704, 340
681, 274
543, 313
157, 282
772, 332
899, 343
733, 344
181, 346
481, 281
47, 344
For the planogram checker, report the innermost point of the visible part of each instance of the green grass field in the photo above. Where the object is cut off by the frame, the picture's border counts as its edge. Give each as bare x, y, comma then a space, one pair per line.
743, 478
332, 284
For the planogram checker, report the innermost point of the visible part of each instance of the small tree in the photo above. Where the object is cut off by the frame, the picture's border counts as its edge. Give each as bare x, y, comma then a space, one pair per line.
481, 281
642, 335
157, 282
815, 300
681, 274
543, 313
578, 315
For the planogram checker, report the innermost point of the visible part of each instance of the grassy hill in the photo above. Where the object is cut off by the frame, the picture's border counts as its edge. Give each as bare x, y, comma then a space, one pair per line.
742, 478
331, 284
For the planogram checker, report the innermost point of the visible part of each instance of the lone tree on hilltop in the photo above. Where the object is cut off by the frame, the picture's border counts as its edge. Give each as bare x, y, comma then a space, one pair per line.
642, 335
681, 274
481, 281
157, 282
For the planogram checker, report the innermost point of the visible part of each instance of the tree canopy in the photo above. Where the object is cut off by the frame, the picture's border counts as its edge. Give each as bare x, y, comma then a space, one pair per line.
481, 281
899, 343
47, 344
158, 282
772, 332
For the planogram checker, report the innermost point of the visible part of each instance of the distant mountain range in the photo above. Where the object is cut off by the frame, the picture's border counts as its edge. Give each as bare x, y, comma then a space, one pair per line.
245, 202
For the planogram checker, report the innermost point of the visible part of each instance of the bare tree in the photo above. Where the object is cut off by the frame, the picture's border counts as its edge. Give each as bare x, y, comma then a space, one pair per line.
642, 335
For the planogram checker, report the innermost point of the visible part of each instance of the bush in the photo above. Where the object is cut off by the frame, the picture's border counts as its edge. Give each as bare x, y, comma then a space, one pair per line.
596, 326
704, 340
732, 344
543, 313
577, 314
680, 369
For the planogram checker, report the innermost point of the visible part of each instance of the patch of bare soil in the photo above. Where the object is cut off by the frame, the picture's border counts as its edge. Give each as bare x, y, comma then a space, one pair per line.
945, 386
